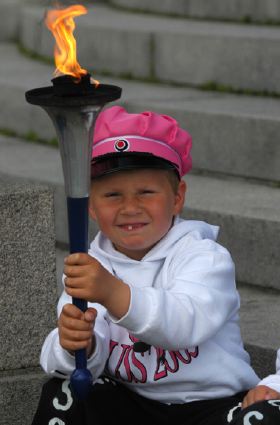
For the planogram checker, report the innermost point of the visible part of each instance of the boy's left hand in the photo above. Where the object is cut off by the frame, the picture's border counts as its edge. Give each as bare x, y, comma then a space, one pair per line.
259, 393
87, 279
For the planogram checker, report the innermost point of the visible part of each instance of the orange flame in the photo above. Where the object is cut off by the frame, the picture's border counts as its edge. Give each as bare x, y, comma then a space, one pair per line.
61, 23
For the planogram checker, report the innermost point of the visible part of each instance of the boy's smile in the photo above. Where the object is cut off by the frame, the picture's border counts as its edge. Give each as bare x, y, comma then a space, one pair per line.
135, 209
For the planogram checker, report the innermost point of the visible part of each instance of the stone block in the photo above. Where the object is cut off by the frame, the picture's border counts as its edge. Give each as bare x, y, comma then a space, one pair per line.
28, 290
19, 396
30, 27
208, 52
9, 12
254, 10
262, 360
119, 51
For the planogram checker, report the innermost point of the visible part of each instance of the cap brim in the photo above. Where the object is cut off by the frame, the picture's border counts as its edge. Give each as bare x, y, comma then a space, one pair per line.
111, 163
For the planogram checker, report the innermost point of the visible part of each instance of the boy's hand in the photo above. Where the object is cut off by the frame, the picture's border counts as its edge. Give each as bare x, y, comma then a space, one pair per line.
259, 393
87, 279
75, 329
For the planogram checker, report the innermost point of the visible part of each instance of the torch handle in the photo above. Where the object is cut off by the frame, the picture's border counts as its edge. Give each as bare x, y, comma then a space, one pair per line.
81, 378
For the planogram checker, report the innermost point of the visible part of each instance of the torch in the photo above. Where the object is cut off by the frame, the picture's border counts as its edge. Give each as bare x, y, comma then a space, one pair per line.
73, 103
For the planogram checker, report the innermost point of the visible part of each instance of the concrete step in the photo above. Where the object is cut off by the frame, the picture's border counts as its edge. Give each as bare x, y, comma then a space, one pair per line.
235, 135
10, 13
247, 213
259, 320
166, 49
235, 10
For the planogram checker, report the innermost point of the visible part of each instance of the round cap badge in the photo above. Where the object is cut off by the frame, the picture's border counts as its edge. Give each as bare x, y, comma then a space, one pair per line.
121, 145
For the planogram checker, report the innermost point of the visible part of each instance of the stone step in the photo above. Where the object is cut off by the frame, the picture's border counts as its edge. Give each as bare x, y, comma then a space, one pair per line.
248, 213
234, 10
166, 49
259, 320
10, 13
235, 135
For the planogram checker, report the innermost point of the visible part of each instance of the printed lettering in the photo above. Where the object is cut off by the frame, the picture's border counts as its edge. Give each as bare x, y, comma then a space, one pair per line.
274, 403
140, 367
163, 363
117, 370
56, 421
66, 390
129, 362
174, 359
113, 345
189, 355
248, 416
232, 411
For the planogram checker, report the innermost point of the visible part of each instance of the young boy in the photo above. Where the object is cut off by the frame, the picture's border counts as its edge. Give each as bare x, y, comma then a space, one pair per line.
161, 331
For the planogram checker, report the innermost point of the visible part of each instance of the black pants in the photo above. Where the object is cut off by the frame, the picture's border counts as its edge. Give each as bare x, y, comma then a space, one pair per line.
112, 403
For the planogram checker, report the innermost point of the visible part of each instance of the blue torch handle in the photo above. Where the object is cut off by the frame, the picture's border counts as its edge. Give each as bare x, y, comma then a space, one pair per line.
81, 378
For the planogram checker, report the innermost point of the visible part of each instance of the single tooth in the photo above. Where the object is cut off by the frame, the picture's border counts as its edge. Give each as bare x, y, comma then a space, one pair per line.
129, 227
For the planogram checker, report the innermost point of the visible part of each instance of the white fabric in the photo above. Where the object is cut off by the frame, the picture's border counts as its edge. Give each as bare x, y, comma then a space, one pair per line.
185, 304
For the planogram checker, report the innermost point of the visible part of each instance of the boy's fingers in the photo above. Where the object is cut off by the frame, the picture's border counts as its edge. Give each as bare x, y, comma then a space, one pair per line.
272, 395
73, 282
74, 324
90, 315
70, 310
73, 270
79, 258
74, 345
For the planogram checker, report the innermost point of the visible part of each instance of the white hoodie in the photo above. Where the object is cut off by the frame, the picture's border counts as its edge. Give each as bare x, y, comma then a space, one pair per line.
184, 303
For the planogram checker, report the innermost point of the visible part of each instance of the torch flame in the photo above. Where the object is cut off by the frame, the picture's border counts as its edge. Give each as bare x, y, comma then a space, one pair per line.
61, 23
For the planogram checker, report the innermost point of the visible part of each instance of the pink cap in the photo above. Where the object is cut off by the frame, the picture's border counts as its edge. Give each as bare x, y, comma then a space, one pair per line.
119, 132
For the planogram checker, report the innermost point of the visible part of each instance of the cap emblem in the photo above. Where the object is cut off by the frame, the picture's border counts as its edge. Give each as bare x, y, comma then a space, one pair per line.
121, 145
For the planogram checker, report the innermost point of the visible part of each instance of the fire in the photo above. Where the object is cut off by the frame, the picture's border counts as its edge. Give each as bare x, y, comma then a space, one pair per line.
61, 23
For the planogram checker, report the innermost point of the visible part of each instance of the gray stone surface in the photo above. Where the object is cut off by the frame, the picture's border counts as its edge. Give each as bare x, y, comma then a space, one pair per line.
242, 58
170, 49
259, 319
256, 10
258, 327
232, 134
27, 273
9, 9
19, 396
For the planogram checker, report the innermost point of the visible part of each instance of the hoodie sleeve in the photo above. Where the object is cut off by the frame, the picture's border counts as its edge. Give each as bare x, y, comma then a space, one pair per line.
273, 381
58, 362
197, 297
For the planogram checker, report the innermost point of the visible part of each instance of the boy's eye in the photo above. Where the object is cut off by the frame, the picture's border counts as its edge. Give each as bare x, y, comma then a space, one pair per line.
111, 194
147, 191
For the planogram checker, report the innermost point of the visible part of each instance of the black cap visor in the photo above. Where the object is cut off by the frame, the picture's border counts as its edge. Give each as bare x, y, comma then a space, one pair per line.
111, 163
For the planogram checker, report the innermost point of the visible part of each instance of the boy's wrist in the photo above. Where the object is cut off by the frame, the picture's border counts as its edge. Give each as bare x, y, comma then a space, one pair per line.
118, 299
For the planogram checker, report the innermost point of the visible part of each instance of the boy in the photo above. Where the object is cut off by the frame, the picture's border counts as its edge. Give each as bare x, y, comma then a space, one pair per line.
162, 327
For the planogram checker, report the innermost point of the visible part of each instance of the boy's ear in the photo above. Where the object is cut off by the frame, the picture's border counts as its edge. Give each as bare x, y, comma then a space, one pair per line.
91, 211
180, 197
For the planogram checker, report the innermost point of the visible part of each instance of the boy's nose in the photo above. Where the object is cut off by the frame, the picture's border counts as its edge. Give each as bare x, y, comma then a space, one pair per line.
130, 205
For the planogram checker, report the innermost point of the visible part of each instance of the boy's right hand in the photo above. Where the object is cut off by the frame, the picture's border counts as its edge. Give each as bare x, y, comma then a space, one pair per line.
75, 329
259, 393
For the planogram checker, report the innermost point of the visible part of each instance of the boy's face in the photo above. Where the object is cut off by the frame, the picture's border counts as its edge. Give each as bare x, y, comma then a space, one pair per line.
135, 209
